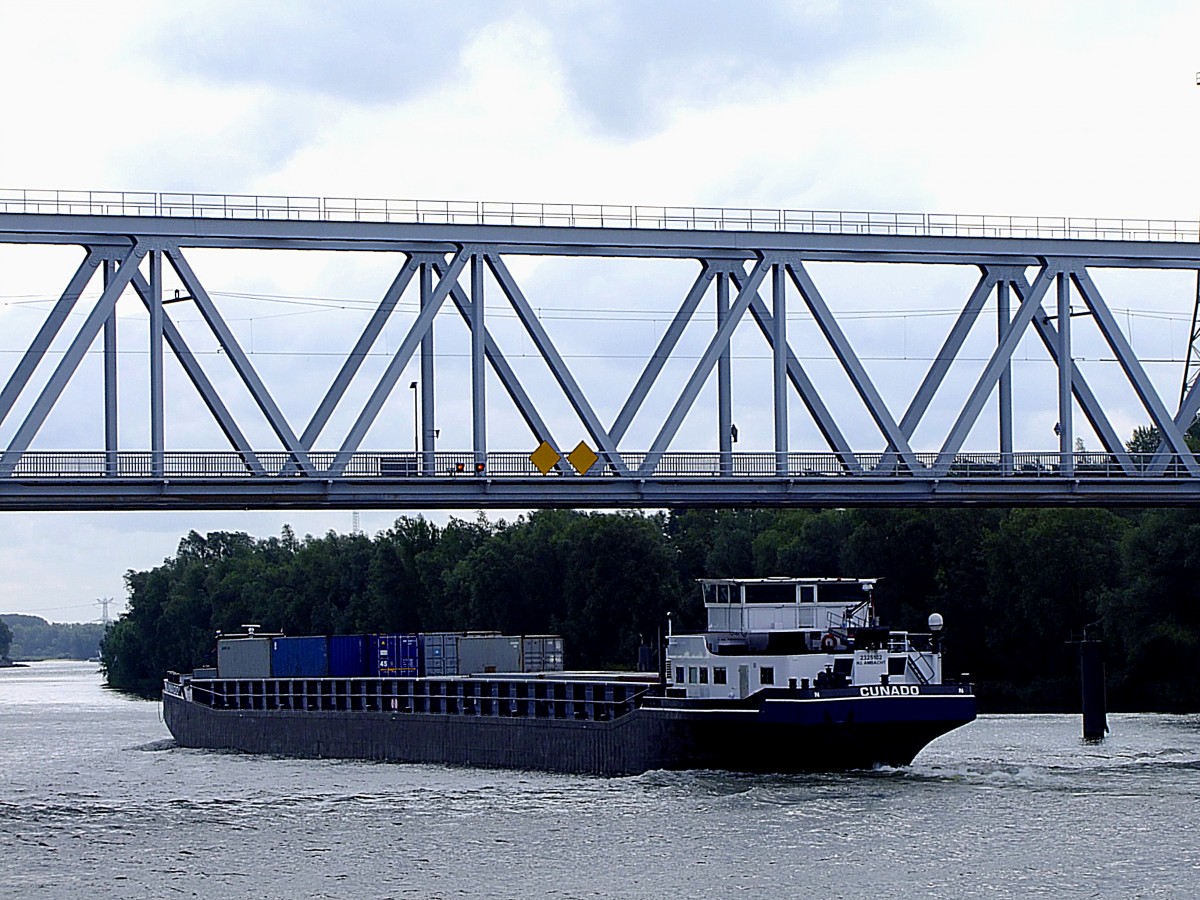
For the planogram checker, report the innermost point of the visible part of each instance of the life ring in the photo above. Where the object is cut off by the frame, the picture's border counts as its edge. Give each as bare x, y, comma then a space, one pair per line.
829, 643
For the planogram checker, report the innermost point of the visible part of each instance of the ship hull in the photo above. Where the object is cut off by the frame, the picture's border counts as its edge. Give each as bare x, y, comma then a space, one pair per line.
779, 732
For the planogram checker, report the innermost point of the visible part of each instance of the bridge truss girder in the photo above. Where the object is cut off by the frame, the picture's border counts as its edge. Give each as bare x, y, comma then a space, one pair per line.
747, 277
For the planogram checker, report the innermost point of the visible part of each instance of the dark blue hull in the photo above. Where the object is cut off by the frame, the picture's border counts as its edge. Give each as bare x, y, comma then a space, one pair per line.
771, 732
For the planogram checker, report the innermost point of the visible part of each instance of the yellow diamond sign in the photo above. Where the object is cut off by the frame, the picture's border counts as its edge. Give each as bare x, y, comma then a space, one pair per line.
544, 457
582, 458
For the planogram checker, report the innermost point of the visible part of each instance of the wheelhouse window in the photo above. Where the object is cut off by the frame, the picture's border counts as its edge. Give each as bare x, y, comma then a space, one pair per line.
766, 675
808, 593
842, 592
679, 671
718, 675
770, 592
693, 675
704, 674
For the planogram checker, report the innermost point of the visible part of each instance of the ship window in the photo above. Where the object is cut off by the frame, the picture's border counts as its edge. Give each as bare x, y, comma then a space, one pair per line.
679, 670
723, 593
808, 593
766, 675
693, 675
843, 592
704, 674
770, 593
718, 674
710, 593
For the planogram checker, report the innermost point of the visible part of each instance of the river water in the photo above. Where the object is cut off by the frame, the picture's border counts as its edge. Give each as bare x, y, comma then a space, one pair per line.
96, 802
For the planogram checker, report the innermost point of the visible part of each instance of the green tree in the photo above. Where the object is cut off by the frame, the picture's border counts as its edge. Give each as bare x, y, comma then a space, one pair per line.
5, 639
1146, 438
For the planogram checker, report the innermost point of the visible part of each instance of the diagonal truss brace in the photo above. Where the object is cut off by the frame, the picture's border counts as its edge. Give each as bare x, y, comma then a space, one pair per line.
662, 353
851, 364
704, 367
554, 360
387, 382
241, 362
1000, 358
800, 381
71, 359
46, 334
208, 393
508, 378
1079, 386
1141, 383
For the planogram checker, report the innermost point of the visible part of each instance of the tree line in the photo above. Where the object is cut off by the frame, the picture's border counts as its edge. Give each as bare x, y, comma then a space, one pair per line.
1015, 587
32, 637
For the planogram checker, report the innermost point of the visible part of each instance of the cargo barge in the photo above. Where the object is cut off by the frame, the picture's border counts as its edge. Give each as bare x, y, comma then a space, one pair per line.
792, 675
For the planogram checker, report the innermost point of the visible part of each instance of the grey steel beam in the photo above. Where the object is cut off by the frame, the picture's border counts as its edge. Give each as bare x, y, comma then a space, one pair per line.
1003, 319
1128, 361
558, 367
941, 364
383, 390
84, 338
47, 332
241, 363
195, 372
700, 374
157, 411
428, 412
580, 241
508, 378
478, 372
111, 445
992, 371
850, 363
804, 386
1088, 402
724, 380
666, 346
358, 354
779, 358
601, 493
1066, 411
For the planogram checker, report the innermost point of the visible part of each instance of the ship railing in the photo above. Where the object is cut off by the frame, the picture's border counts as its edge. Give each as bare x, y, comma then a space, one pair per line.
914, 665
589, 215
217, 465
487, 697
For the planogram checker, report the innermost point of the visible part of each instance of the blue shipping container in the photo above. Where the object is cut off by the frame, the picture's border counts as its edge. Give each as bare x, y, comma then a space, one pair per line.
300, 657
348, 657
396, 655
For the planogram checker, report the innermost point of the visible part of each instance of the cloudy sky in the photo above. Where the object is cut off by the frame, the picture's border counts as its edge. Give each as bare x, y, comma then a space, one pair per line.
1040, 108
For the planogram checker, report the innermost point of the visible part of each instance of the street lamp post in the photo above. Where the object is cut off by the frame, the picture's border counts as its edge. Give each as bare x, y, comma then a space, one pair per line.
416, 422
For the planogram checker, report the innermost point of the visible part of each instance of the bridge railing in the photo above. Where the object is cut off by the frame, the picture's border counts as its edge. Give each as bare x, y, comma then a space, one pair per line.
458, 464
588, 215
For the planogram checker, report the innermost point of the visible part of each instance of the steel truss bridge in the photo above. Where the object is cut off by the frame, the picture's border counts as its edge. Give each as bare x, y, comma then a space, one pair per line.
751, 265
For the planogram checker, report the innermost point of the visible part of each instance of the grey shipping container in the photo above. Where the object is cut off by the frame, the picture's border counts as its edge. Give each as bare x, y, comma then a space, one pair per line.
439, 653
300, 657
479, 655
541, 653
244, 657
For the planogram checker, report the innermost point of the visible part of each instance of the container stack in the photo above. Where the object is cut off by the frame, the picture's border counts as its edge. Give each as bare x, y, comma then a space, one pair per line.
436, 654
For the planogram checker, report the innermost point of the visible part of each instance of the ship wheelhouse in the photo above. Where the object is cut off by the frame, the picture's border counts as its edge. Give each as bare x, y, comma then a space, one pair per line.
795, 634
